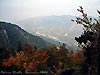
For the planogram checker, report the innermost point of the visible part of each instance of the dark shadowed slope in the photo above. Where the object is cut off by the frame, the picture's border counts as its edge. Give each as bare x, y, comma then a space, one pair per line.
11, 34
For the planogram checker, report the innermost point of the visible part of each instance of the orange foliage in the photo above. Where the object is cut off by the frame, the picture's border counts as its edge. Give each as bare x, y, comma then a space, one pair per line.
77, 57
55, 59
28, 58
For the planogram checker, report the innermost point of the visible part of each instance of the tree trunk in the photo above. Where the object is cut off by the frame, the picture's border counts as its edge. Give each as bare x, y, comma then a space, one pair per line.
98, 54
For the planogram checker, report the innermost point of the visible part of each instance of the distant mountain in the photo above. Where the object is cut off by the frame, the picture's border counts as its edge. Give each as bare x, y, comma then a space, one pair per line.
52, 22
11, 34
51, 40
57, 28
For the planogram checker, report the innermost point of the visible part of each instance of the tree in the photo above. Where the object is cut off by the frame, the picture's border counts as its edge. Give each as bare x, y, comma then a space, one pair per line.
28, 59
89, 42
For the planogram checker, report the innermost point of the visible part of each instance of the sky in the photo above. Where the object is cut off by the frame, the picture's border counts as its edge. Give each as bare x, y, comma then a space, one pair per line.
16, 10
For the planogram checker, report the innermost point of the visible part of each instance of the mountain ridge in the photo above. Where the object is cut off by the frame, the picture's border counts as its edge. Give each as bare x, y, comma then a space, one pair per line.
16, 34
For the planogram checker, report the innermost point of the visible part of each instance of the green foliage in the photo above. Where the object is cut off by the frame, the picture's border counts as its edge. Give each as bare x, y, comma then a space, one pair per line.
88, 40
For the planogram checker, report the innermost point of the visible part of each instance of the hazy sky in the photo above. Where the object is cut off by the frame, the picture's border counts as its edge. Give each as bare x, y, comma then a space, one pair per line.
12, 10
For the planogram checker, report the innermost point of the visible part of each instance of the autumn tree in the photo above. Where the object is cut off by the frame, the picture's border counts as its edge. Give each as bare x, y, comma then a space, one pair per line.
89, 41
55, 60
28, 59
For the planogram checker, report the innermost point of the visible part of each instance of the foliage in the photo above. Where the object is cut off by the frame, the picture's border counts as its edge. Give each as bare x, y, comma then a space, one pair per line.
28, 58
88, 41
53, 60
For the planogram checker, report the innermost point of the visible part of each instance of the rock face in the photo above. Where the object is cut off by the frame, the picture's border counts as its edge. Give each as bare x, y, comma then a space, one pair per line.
3, 38
11, 34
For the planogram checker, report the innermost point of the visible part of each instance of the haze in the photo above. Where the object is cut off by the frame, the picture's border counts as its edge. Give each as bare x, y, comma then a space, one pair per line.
15, 10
